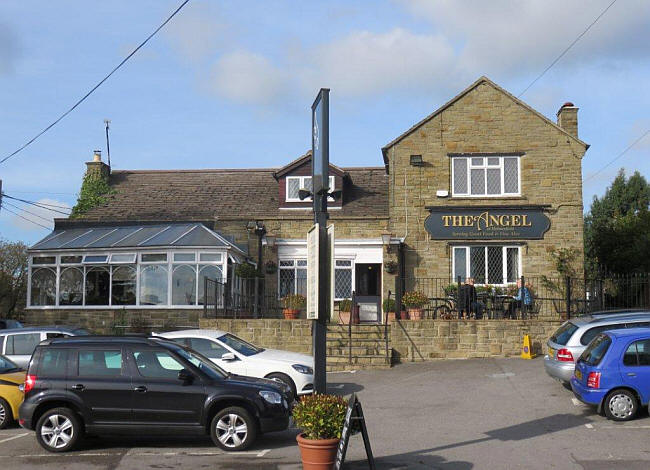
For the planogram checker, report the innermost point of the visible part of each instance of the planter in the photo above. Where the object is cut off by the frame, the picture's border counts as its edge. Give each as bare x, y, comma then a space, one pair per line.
415, 313
404, 315
290, 313
344, 317
390, 317
317, 454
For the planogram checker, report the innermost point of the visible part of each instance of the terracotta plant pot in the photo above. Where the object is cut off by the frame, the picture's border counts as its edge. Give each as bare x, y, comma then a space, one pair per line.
404, 315
416, 313
344, 317
290, 313
317, 454
390, 317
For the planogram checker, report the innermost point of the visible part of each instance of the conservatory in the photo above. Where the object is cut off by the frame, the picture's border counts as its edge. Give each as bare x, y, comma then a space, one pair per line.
155, 266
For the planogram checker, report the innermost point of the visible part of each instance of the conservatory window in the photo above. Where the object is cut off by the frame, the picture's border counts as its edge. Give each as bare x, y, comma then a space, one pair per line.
183, 284
123, 258
71, 286
184, 257
123, 288
98, 282
153, 284
153, 257
74, 259
95, 258
210, 272
44, 260
43, 286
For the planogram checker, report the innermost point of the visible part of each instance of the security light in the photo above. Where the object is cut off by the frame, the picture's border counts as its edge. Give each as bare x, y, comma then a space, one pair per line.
304, 194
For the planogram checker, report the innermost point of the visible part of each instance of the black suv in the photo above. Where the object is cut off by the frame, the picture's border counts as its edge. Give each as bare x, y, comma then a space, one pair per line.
100, 385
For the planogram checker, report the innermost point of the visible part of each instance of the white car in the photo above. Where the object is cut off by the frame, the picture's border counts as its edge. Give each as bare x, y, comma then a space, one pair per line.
239, 357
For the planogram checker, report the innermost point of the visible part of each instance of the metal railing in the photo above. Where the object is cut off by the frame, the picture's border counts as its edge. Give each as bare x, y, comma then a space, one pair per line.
248, 299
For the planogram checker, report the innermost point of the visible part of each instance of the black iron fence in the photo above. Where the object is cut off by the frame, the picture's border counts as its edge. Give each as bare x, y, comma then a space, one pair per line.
247, 298
543, 297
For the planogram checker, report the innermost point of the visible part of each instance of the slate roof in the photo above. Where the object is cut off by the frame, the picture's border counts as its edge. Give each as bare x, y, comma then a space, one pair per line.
204, 195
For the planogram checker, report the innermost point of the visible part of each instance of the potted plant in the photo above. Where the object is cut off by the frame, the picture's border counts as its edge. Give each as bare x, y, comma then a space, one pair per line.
390, 267
389, 309
345, 307
415, 301
245, 271
270, 267
320, 418
293, 303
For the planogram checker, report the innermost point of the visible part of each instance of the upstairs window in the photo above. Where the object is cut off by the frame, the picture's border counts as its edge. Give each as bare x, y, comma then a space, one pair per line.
485, 176
296, 183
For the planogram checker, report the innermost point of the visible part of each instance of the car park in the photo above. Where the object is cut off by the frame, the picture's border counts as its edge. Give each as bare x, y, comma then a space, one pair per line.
11, 378
107, 385
570, 340
19, 344
235, 355
613, 373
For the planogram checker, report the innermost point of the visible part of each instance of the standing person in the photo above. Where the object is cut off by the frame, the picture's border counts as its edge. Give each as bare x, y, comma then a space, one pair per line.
468, 302
522, 300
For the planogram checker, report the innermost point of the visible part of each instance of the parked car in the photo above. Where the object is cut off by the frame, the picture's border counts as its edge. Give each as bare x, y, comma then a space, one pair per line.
11, 377
613, 373
237, 356
571, 339
6, 323
19, 344
112, 384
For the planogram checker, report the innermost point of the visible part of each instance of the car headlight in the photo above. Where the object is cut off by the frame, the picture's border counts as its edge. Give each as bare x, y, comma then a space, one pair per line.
272, 397
303, 369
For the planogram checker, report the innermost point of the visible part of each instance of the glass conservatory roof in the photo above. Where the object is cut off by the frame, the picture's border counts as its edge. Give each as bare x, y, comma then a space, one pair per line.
135, 236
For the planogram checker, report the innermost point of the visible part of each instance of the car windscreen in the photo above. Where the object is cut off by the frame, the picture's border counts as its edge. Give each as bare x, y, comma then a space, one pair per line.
239, 345
7, 366
564, 333
202, 363
596, 350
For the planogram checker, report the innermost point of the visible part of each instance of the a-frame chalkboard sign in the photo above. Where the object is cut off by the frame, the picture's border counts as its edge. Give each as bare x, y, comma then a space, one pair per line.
354, 421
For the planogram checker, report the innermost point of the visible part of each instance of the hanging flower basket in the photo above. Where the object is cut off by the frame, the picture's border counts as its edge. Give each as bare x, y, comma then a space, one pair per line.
270, 267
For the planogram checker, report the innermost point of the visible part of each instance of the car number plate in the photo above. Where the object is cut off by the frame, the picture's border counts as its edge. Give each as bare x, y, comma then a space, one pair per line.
578, 374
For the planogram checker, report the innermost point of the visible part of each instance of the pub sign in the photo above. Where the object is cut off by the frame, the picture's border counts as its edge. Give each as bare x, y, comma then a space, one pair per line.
486, 223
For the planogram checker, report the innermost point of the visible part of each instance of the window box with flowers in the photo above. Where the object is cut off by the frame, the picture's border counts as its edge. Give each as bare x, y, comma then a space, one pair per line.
415, 302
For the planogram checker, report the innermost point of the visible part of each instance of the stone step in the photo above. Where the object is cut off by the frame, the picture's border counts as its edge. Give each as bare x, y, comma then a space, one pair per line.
358, 360
356, 350
340, 342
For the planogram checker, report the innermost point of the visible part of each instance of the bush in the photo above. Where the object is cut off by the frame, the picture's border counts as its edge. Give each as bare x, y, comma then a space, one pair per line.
320, 416
388, 305
246, 271
415, 299
451, 289
294, 301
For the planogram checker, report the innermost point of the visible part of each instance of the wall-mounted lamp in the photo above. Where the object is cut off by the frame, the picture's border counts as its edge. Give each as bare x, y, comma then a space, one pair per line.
385, 240
416, 160
270, 240
303, 194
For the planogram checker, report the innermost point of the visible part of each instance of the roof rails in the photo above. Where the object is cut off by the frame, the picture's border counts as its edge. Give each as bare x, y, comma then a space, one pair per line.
627, 311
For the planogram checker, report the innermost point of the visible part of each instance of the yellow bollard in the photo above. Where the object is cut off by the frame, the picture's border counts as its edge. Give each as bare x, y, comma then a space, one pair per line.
526, 350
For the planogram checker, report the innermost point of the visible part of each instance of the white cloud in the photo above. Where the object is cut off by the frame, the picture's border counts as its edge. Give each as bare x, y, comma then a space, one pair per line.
37, 214
248, 78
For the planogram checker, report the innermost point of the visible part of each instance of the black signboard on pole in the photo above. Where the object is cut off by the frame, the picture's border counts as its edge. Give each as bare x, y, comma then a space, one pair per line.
354, 422
320, 162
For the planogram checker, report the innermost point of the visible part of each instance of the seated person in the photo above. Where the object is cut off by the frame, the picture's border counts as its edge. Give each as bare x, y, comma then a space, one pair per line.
522, 301
468, 302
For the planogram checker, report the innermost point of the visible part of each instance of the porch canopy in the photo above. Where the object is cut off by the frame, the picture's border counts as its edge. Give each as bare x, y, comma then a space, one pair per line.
157, 265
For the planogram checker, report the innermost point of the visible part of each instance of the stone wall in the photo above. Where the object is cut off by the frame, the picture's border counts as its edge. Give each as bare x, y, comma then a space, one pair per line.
290, 335
415, 341
115, 321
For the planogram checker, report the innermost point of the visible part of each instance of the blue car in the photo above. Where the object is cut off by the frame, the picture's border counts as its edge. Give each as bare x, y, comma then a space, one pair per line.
613, 373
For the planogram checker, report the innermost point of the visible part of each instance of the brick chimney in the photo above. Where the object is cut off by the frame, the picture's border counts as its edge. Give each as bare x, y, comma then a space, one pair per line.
97, 167
567, 118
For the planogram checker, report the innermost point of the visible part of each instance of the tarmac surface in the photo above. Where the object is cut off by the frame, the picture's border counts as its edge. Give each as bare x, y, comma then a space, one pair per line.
459, 414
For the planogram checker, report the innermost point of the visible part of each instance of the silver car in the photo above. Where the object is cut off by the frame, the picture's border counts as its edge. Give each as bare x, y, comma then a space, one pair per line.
19, 344
571, 339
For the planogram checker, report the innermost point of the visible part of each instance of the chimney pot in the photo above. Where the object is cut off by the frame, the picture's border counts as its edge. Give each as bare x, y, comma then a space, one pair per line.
97, 156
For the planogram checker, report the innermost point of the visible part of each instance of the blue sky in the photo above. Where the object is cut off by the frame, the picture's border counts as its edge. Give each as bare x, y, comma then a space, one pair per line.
229, 84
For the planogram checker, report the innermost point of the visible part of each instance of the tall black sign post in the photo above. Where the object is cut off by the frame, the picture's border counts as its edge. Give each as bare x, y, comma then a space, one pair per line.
320, 181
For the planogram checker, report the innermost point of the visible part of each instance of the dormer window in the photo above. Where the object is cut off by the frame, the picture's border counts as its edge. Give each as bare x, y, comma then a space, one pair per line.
296, 183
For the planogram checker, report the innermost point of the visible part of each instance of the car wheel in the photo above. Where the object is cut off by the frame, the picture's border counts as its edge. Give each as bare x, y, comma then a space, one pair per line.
233, 429
620, 405
285, 379
6, 417
58, 430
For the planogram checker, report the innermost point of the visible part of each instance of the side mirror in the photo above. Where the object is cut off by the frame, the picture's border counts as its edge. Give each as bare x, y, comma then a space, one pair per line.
228, 357
185, 375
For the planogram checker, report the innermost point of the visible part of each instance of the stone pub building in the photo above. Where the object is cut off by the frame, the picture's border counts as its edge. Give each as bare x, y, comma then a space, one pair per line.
483, 187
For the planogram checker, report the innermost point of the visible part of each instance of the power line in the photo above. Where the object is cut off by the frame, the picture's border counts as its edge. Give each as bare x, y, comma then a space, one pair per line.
29, 212
619, 155
96, 86
38, 204
565, 50
25, 218
41, 192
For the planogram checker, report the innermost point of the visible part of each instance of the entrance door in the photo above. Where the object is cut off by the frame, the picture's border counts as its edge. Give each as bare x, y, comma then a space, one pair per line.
368, 291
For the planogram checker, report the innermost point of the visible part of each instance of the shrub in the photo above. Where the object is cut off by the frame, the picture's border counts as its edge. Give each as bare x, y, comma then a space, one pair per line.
246, 271
320, 416
451, 289
345, 305
388, 305
415, 299
390, 266
294, 301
